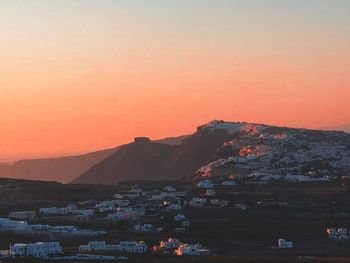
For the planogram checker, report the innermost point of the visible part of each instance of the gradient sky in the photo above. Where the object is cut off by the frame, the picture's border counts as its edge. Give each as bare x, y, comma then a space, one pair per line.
81, 75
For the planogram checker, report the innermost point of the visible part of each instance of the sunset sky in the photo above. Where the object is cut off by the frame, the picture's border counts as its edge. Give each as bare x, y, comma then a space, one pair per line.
82, 75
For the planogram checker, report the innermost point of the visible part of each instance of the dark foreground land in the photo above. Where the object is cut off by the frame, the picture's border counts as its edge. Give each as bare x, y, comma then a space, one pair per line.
233, 235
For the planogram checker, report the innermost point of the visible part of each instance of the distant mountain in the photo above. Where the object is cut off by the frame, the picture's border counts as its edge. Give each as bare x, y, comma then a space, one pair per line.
227, 148
345, 128
63, 169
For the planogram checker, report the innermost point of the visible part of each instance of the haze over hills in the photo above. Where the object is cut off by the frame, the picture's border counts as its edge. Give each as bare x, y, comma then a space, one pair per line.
345, 128
226, 148
62, 169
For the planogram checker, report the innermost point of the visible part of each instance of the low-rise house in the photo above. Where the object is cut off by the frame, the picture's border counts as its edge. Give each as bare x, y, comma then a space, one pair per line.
174, 207
171, 243
6, 223
82, 212
118, 216
57, 211
123, 246
144, 227
163, 196
123, 202
210, 192
219, 203
228, 183
282, 243
207, 184
140, 209
338, 234
169, 189
192, 250
197, 202
242, 207
106, 206
179, 217
123, 214
38, 250
22, 215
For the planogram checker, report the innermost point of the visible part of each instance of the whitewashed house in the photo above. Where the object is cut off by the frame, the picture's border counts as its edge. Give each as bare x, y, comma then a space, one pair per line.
171, 243
123, 246
169, 189
38, 250
22, 215
179, 217
228, 183
144, 227
192, 250
6, 223
210, 192
338, 234
174, 207
197, 202
282, 243
207, 184
82, 212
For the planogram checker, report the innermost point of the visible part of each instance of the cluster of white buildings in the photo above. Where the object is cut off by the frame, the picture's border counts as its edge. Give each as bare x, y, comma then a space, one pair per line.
38, 250
183, 249
192, 250
122, 247
338, 234
23, 226
281, 155
71, 209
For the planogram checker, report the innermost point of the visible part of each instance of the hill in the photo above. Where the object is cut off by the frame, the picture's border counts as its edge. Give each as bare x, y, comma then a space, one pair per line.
62, 169
228, 148
345, 128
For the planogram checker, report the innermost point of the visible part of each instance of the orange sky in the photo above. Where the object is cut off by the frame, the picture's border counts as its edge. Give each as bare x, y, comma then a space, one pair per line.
77, 75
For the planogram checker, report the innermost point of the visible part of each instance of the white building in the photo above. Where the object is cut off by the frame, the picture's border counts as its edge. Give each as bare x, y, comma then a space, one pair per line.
179, 218
57, 211
106, 206
144, 227
171, 243
207, 184
197, 202
22, 215
169, 189
210, 192
174, 207
123, 246
39, 249
123, 202
6, 223
192, 250
338, 234
282, 243
82, 212
228, 183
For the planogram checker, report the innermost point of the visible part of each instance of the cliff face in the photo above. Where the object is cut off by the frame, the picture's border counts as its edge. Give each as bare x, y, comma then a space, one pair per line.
146, 160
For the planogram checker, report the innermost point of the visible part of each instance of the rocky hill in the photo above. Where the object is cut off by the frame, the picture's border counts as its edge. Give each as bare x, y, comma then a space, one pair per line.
230, 149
